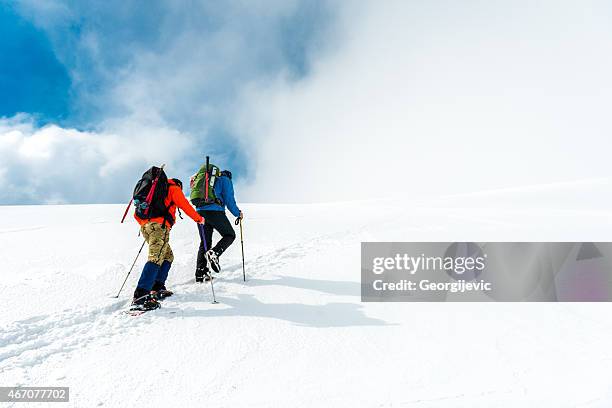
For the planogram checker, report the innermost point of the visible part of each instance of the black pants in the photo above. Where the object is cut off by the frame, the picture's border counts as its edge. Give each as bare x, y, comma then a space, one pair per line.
215, 220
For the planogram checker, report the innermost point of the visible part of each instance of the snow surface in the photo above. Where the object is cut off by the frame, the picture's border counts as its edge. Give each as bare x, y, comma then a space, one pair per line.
295, 334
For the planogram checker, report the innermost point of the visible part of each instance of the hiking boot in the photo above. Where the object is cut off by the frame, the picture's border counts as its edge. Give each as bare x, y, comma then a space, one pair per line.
164, 293
204, 278
160, 291
150, 304
146, 302
139, 296
200, 273
213, 260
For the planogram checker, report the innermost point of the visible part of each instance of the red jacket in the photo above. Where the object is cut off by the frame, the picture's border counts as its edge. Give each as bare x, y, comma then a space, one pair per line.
175, 198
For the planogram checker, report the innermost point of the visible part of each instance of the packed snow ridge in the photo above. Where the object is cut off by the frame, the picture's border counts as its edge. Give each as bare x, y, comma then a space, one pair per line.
296, 333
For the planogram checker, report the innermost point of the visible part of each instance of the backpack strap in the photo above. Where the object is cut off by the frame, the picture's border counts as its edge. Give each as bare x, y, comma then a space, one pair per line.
167, 217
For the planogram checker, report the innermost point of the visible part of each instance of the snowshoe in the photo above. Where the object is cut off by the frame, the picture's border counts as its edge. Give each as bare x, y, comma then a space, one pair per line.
213, 260
138, 309
143, 302
145, 307
146, 302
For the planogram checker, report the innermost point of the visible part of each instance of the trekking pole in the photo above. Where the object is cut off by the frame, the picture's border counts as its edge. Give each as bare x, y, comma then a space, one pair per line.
239, 221
130, 271
203, 238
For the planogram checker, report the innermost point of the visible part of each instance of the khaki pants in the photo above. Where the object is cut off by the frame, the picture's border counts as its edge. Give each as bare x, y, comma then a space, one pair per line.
158, 238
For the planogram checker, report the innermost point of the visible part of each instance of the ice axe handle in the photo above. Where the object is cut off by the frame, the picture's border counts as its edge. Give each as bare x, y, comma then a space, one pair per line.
128, 209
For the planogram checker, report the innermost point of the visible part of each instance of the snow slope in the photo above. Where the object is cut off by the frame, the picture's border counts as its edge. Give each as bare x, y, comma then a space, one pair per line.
295, 334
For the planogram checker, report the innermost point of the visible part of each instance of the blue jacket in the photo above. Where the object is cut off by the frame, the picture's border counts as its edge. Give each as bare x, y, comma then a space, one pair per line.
224, 189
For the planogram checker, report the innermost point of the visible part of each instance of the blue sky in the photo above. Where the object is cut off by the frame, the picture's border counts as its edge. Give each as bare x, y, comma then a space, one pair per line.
110, 66
36, 60
32, 79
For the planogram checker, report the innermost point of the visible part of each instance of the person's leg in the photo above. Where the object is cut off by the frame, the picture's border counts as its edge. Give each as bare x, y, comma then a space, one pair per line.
160, 281
162, 275
201, 259
208, 233
147, 277
218, 220
202, 263
228, 235
157, 238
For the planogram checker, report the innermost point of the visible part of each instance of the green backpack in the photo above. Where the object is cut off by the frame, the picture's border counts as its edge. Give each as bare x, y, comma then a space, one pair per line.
201, 193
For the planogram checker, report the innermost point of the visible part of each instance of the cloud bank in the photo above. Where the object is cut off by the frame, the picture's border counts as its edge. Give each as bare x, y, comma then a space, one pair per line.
432, 98
53, 165
341, 100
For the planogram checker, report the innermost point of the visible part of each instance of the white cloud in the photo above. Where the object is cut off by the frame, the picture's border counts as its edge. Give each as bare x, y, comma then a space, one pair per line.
422, 98
56, 165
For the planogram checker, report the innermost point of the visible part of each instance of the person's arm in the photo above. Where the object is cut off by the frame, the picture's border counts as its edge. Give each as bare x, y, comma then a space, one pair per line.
181, 202
228, 197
